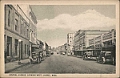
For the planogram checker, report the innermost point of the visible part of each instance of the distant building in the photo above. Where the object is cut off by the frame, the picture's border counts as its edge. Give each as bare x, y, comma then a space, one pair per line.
17, 35
70, 40
45, 48
81, 40
62, 48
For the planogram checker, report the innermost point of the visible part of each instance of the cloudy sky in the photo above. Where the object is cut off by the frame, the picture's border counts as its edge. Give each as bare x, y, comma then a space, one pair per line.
54, 22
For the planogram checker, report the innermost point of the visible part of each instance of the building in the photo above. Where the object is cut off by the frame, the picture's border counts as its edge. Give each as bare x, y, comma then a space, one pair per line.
76, 41
58, 49
109, 40
95, 45
103, 42
39, 45
81, 40
62, 48
17, 34
70, 40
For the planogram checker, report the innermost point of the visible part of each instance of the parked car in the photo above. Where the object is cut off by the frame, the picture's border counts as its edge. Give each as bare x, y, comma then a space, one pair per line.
87, 55
48, 54
68, 53
36, 56
105, 56
63, 53
52, 53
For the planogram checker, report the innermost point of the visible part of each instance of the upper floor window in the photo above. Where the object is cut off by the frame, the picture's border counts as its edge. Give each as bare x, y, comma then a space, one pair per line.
27, 32
25, 26
21, 27
16, 24
9, 18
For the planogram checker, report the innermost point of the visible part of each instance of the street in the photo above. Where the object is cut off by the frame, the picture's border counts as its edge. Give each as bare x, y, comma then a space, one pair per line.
63, 64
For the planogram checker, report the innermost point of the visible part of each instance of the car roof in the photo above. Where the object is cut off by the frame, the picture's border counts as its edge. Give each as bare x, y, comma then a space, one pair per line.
108, 51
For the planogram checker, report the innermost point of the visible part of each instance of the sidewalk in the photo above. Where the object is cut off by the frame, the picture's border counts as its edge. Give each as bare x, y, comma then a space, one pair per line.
14, 65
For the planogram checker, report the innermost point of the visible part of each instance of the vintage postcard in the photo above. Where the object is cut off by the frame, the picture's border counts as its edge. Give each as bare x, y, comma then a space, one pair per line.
54, 38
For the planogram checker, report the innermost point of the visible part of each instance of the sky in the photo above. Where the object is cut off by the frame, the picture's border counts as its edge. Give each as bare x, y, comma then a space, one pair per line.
55, 21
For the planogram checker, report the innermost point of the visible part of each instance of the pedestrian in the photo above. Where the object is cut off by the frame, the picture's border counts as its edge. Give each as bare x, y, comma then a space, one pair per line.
30, 58
5, 56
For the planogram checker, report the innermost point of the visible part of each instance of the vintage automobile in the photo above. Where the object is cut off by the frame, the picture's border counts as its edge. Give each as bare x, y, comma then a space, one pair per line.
87, 55
105, 57
63, 53
36, 57
90, 54
47, 54
52, 53
68, 53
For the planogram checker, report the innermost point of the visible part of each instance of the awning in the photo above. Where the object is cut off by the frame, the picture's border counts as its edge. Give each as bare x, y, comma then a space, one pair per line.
37, 46
89, 49
109, 48
37, 51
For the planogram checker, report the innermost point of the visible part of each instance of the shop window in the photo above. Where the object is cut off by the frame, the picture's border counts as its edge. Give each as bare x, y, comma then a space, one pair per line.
25, 49
9, 46
28, 50
16, 46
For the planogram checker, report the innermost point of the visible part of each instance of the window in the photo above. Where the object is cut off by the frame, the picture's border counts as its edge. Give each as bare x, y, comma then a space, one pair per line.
21, 27
9, 46
9, 18
27, 32
28, 50
25, 29
16, 24
25, 49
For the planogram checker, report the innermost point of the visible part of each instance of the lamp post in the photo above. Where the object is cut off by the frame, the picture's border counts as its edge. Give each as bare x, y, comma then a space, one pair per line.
19, 51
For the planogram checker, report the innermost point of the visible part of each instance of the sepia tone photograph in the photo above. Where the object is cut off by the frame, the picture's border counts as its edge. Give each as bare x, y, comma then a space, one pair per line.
51, 40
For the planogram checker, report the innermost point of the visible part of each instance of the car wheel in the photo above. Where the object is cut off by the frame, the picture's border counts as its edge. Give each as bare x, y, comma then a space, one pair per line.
40, 60
113, 60
97, 60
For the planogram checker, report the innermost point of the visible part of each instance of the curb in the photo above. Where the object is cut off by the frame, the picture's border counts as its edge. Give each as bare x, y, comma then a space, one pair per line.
7, 71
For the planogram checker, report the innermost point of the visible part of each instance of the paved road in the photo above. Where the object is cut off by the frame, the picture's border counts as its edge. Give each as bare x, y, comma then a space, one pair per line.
66, 64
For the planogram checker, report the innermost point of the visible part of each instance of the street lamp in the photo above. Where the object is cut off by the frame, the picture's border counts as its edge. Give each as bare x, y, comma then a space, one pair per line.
19, 51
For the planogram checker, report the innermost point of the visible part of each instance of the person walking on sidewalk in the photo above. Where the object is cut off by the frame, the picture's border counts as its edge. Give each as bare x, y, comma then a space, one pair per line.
30, 58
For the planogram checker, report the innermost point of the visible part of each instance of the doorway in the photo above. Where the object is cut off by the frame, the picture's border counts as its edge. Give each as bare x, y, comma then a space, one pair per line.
9, 46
